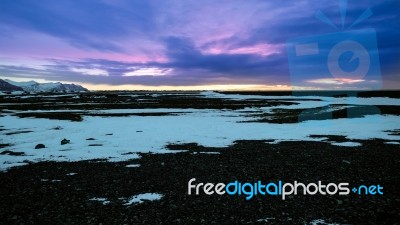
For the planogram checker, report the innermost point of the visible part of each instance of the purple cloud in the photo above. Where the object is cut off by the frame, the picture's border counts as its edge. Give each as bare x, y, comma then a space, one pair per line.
177, 43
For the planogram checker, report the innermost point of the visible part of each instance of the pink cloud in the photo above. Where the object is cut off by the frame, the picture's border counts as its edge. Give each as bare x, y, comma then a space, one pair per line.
337, 81
258, 49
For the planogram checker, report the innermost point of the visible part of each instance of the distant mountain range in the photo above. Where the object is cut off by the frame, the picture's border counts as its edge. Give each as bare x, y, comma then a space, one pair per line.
33, 86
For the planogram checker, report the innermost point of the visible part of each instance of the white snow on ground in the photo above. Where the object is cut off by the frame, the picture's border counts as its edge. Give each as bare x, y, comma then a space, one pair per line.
321, 222
133, 165
392, 142
137, 199
266, 220
312, 101
112, 111
207, 153
54, 181
143, 134
104, 201
357, 100
206, 127
347, 144
159, 110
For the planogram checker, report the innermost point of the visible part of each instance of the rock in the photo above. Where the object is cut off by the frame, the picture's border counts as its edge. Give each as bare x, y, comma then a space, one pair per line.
57, 128
65, 141
7, 152
39, 146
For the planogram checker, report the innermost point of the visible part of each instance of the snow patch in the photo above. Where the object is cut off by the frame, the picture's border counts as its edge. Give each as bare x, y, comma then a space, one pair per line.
266, 220
133, 165
347, 144
207, 153
213, 128
392, 142
137, 199
104, 201
321, 222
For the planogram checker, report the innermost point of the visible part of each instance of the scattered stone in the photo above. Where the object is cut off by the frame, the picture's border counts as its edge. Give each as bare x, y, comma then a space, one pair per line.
90, 139
65, 141
109, 134
4, 145
39, 146
19, 132
96, 145
7, 152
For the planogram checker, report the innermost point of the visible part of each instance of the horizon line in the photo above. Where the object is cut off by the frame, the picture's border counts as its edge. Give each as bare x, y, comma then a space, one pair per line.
209, 87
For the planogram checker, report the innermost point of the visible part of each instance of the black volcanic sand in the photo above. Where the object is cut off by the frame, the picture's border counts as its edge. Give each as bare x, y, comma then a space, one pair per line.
43, 193
63, 103
128, 100
25, 198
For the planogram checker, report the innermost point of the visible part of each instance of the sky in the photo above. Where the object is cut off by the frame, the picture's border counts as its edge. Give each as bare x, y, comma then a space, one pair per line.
202, 44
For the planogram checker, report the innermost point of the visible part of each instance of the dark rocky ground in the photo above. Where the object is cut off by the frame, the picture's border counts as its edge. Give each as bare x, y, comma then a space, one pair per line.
43, 193
27, 199
62, 104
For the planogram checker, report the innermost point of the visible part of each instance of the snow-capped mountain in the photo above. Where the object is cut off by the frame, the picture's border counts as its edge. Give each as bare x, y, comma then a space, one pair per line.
33, 86
5, 86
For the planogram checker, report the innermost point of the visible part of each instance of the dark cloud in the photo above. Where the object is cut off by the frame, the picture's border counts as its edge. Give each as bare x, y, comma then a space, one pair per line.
86, 24
178, 35
184, 55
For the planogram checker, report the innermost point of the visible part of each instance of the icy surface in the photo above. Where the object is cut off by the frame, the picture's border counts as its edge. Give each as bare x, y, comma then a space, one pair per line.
321, 222
392, 142
121, 138
266, 220
104, 201
133, 165
137, 199
347, 144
